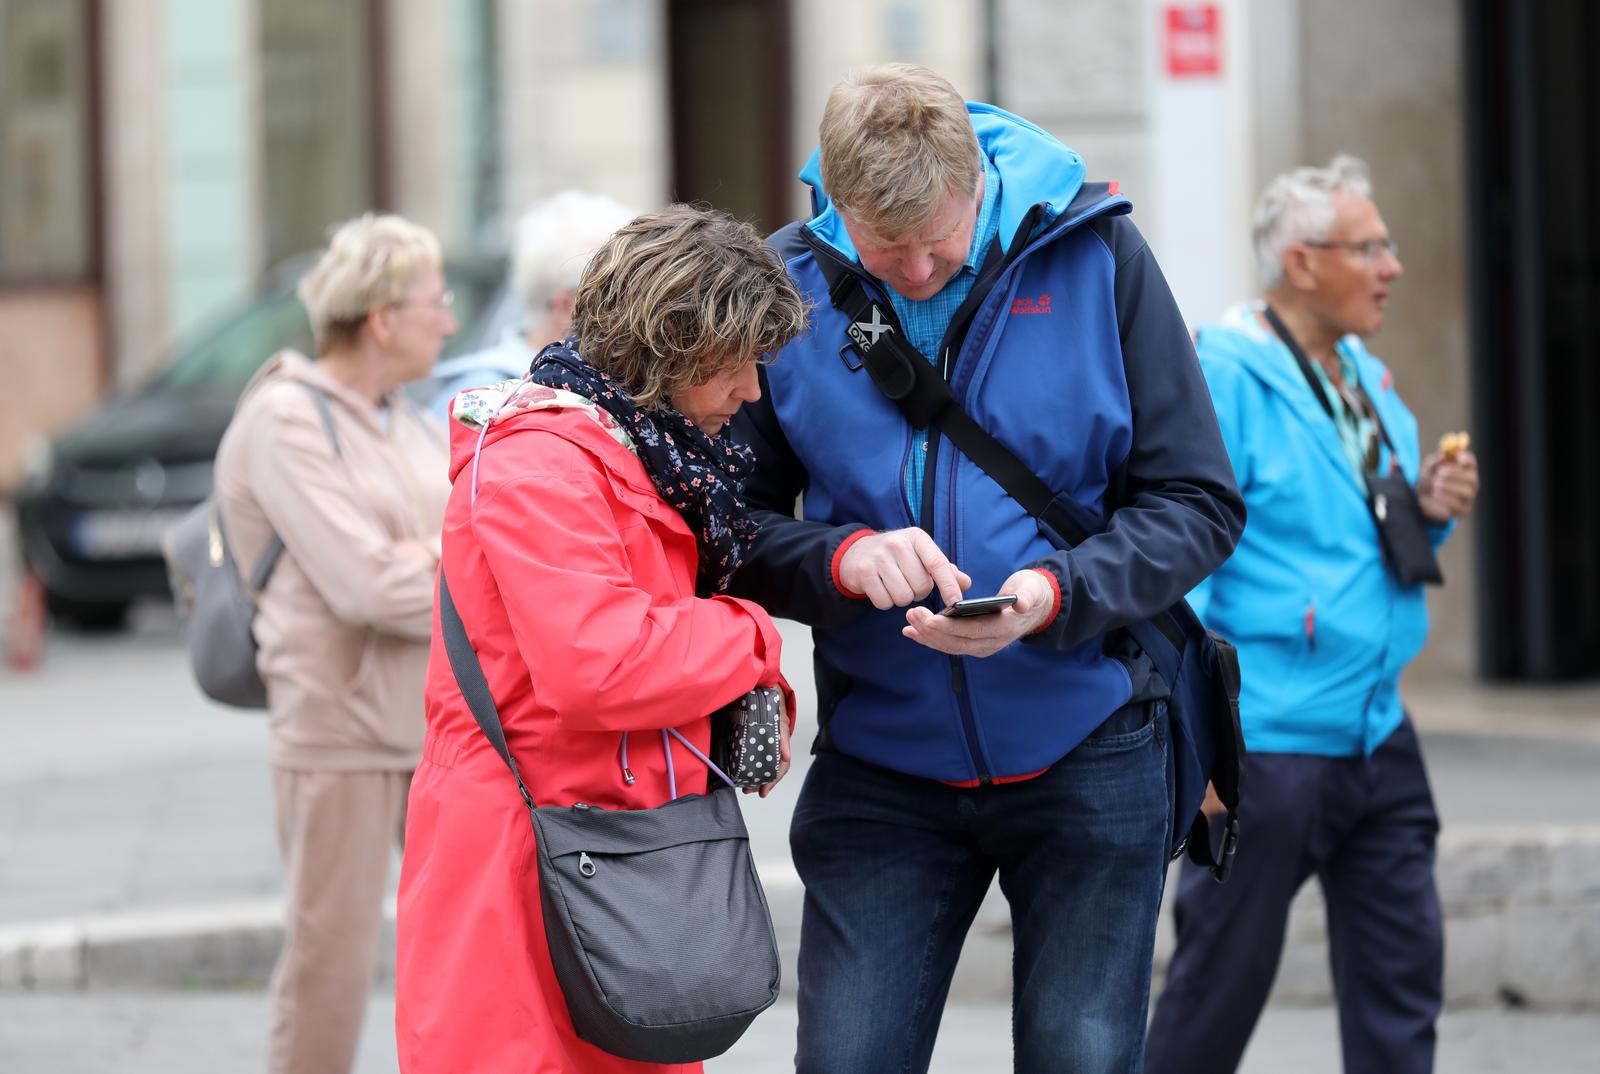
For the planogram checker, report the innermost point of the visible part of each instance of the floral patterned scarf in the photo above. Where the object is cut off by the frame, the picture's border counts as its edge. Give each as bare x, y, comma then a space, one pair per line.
702, 476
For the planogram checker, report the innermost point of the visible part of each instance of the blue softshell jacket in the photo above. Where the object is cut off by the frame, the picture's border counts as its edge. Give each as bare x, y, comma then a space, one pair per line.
1322, 628
1072, 352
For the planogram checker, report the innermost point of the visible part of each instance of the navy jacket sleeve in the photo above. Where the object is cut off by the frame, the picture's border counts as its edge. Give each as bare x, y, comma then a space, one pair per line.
789, 569
1176, 510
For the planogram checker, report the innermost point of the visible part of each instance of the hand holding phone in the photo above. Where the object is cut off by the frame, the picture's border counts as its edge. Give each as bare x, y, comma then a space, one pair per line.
978, 606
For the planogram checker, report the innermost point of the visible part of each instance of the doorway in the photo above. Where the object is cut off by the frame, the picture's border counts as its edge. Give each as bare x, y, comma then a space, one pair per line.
1533, 161
728, 64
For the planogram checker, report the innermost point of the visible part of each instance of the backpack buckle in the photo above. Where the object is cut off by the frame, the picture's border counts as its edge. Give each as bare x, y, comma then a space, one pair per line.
1230, 844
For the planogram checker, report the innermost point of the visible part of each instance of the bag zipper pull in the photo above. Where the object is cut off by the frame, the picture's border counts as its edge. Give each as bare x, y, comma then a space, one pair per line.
585, 864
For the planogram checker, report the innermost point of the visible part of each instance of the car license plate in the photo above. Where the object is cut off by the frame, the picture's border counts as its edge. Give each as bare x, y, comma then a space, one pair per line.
122, 534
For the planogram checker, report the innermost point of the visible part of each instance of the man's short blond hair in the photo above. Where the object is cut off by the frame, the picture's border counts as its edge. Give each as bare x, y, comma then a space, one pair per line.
370, 263
895, 141
676, 297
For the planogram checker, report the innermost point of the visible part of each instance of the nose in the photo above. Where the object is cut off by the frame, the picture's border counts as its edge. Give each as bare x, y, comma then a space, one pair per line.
747, 388
917, 268
1390, 268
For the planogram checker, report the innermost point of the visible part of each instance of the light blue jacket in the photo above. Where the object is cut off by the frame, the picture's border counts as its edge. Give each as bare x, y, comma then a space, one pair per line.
507, 359
1323, 629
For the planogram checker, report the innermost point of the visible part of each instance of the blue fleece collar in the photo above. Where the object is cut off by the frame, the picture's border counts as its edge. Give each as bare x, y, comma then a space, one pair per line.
1035, 169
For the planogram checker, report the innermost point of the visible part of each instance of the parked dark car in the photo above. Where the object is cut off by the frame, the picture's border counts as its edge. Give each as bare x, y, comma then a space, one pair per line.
96, 501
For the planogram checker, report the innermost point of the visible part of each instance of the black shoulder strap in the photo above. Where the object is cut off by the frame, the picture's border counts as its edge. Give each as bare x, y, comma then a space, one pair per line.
474, 687
910, 381
1315, 381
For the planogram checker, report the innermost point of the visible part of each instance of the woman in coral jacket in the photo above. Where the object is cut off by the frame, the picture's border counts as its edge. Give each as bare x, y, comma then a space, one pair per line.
590, 502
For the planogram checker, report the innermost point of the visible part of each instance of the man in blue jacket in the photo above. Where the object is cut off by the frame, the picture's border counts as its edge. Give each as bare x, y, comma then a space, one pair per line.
1336, 785
1032, 742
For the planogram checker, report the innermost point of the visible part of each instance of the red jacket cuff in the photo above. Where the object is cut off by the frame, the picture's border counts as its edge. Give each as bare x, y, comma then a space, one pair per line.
838, 557
1055, 610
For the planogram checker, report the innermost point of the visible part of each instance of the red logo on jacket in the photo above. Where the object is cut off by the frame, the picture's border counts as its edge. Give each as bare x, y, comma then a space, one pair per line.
1031, 305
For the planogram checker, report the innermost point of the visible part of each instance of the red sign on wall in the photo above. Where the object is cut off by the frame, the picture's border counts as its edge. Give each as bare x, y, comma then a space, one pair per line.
1194, 40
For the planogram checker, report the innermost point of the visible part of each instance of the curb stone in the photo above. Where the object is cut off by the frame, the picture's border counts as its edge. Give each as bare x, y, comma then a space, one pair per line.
1522, 924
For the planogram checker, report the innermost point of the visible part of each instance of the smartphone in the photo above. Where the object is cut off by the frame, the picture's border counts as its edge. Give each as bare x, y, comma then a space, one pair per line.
979, 605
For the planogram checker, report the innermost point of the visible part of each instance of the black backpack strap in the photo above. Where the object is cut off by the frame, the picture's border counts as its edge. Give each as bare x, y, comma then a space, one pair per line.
274, 550
474, 687
910, 381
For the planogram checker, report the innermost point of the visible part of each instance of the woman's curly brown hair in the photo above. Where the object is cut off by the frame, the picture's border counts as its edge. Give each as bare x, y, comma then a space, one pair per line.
677, 297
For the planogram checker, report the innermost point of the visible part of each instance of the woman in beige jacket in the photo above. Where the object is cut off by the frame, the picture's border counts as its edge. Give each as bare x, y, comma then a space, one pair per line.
343, 624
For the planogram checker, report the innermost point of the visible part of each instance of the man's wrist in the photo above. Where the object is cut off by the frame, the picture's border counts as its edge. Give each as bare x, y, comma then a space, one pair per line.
838, 560
1055, 598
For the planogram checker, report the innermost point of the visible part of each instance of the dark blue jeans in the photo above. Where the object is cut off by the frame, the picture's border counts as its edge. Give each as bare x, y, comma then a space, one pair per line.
1366, 828
895, 868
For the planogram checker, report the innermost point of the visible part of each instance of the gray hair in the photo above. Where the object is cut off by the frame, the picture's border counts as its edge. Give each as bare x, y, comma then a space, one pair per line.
556, 238
1297, 206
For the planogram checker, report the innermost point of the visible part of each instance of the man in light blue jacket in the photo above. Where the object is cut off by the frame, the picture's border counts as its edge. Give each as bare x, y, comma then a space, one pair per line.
1336, 785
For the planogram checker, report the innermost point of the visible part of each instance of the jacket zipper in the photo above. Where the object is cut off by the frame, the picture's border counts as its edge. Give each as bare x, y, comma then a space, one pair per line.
958, 325
958, 671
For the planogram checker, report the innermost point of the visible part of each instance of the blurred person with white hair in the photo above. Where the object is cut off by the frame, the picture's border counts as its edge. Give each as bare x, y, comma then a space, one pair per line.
555, 239
330, 457
1324, 599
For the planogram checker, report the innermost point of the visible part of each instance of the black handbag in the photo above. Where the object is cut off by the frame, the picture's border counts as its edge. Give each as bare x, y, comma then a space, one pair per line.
657, 924
1402, 531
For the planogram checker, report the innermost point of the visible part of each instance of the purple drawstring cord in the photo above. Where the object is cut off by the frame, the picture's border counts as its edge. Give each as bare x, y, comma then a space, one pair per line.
672, 776
673, 731
477, 449
666, 748
627, 773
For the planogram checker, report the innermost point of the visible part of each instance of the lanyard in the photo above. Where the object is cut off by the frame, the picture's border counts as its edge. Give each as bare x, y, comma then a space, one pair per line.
1315, 382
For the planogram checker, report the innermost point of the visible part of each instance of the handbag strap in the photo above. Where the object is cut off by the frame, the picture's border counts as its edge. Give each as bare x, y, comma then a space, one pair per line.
268, 561
474, 687
468, 671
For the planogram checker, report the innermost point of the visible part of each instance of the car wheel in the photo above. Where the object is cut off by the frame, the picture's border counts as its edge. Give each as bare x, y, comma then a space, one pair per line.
92, 616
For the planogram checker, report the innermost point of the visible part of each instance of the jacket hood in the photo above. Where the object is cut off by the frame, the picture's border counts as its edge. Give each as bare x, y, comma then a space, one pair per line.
1240, 338
516, 405
1035, 170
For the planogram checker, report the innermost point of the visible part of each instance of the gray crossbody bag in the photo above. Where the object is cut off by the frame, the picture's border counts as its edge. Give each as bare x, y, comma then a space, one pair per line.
657, 924
216, 605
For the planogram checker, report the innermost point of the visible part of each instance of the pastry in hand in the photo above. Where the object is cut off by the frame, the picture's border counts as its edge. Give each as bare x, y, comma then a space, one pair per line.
1453, 444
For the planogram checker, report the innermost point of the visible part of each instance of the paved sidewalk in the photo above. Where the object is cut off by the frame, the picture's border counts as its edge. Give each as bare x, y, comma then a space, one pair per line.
127, 800
222, 1033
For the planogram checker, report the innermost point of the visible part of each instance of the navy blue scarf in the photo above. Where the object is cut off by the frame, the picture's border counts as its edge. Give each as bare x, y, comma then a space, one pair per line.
701, 476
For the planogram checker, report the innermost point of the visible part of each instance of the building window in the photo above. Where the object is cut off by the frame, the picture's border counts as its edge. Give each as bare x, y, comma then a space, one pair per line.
46, 207
317, 120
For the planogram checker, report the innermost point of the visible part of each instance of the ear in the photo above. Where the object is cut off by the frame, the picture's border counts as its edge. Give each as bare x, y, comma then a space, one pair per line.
379, 326
1298, 270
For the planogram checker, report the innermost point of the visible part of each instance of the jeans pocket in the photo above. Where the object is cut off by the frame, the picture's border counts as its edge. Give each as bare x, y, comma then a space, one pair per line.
1128, 728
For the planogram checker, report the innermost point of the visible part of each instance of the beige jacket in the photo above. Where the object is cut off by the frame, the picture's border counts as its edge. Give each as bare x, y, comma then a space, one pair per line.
344, 621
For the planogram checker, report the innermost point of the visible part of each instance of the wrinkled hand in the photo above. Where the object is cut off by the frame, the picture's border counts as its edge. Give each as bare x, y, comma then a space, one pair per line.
985, 635
900, 567
783, 760
1447, 485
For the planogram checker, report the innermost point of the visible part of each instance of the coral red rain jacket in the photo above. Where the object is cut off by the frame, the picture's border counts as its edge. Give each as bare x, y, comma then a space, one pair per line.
576, 584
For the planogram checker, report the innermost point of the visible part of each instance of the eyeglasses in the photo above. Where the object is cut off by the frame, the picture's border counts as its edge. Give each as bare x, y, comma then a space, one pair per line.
445, 301
1369, 249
